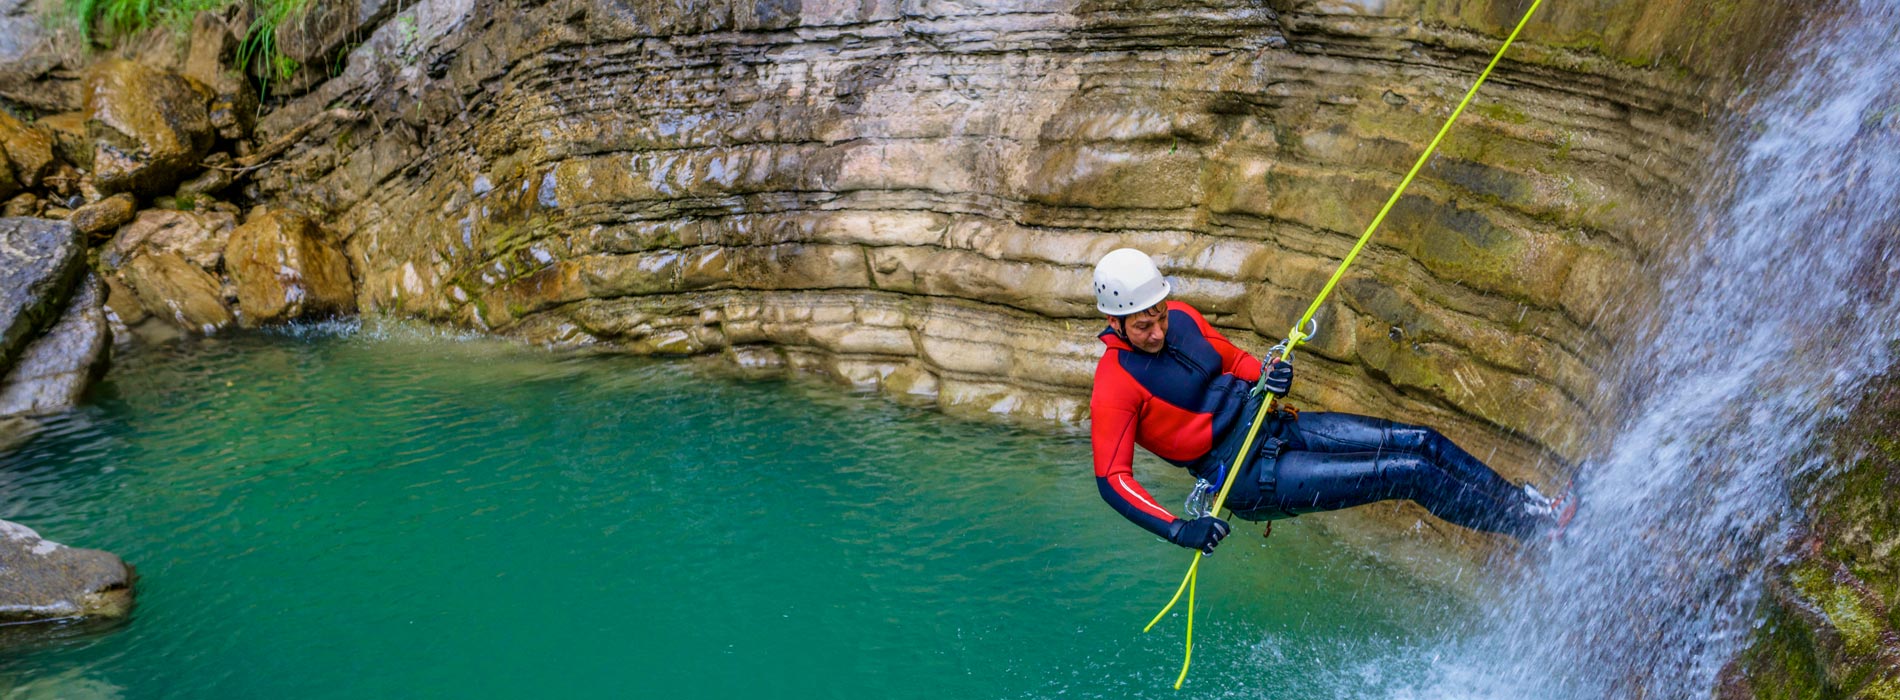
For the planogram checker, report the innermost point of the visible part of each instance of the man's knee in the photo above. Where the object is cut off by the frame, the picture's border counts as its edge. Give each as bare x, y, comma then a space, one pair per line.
1416, 438
1407, 475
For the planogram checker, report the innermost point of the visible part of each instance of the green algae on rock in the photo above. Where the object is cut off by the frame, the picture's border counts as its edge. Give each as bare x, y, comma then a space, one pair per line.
1832, 624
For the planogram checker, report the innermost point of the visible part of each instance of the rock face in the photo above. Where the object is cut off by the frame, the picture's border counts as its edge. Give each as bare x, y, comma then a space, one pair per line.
284, 269
32, 56
42, 580
39, 261
910, 196
315, 35
54, 372
149, 128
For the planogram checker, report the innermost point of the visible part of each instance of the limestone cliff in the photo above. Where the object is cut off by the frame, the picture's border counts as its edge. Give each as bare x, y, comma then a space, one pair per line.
909, 195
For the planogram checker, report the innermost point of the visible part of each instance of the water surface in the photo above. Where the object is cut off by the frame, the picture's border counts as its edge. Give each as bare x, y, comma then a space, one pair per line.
388, 513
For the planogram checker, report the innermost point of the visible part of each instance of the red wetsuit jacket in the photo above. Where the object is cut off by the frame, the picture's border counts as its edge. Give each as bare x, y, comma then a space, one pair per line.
1176, 403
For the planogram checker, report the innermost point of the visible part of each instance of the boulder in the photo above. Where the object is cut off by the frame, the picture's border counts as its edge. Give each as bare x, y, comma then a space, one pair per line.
54, 372
42, 580
105, 214
26, 204
149, 128
233, 106
173, 289
29, 146
197, 236
39, 259
285, 270
70, 142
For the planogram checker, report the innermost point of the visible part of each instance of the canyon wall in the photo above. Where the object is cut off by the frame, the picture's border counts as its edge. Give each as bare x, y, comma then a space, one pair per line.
910, 195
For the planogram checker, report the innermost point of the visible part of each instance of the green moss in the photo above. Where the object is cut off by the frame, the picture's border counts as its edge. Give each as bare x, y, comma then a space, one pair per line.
1859, 627
1783, 663
1502, 112
1852, 579
1564, 144
1881, 689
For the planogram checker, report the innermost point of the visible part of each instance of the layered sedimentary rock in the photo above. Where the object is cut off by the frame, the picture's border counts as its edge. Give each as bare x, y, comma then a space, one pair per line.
910, 196
163, 263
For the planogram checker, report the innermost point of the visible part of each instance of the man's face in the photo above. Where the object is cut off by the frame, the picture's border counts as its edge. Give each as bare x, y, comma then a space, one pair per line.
1147, 330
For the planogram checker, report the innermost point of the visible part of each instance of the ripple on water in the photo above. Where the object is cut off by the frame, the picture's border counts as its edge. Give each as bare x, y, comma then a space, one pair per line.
343, 511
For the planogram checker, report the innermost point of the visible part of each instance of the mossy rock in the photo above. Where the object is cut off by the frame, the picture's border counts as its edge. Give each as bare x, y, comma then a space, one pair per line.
1831, 623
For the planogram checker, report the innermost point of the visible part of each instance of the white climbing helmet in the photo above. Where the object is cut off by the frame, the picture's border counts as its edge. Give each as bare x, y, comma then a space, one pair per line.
1127, 281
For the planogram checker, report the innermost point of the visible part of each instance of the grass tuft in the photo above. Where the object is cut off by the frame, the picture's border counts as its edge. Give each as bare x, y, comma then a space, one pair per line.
112, 19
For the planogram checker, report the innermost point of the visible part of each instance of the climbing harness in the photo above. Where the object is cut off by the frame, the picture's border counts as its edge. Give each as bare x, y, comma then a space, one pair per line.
1299, 335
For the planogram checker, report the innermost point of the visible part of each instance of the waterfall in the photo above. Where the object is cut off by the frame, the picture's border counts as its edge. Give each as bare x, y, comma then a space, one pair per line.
1772, 315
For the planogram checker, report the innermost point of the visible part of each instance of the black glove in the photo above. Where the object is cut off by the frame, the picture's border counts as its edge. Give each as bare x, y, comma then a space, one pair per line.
1279, 378
1200, 533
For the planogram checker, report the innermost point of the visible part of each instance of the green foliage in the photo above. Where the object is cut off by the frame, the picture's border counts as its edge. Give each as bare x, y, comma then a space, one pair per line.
260, 43
115, 18
118, 17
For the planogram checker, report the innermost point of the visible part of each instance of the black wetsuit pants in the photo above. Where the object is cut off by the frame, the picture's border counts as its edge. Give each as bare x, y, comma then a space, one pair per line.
1328, 461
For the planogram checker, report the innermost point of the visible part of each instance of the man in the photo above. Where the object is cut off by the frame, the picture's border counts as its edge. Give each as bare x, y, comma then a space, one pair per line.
1172, 384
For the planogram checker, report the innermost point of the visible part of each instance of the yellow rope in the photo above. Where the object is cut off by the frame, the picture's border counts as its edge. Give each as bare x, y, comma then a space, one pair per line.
1296, 336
